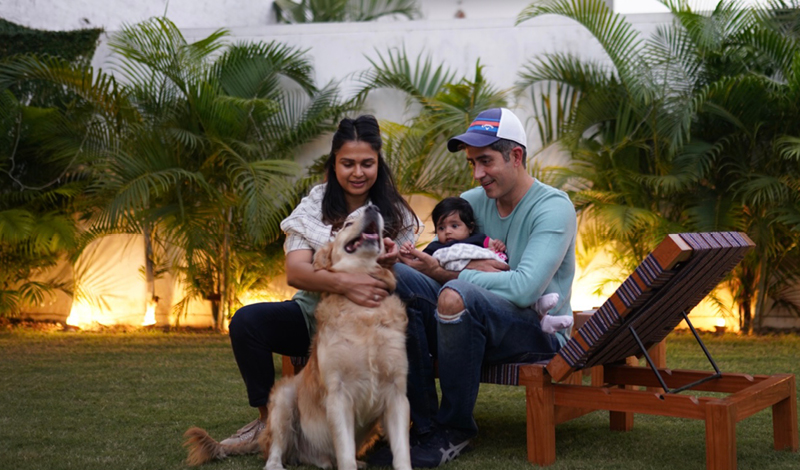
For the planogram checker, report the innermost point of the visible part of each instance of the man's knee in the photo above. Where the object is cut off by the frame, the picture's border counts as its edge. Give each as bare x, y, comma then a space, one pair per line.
450, 306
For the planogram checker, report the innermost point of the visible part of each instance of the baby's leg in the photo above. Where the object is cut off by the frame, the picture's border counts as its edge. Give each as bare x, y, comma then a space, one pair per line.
546, 303
551, 324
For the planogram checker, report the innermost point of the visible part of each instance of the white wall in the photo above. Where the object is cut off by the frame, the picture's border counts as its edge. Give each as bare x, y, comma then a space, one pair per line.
339, 50
111, 14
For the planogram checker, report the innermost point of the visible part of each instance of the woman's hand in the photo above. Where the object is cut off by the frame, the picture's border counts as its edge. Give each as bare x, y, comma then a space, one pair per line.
389, 258
363, 289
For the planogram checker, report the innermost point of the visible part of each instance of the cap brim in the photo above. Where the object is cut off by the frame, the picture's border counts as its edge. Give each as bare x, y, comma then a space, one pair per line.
473, 139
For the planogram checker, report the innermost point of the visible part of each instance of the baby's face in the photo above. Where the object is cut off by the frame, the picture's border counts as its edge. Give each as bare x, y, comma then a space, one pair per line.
450, 228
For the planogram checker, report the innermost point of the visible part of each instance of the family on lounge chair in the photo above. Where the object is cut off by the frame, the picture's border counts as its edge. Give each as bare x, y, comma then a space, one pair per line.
481, 322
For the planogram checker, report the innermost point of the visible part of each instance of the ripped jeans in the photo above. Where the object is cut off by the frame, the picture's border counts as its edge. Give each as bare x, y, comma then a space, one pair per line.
490, 330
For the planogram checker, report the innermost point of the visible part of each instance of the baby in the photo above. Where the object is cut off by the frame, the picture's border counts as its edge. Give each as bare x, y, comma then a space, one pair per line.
457, 244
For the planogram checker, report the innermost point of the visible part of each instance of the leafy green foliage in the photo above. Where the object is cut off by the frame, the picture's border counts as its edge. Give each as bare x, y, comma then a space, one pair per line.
72, 46
694, 129
193, 148
329, 11
75, 47
417, 151
40, 187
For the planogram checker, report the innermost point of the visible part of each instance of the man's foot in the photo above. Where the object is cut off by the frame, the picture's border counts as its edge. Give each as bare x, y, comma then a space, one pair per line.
553, 323
248, 434
438, 448
381, 455
546, 303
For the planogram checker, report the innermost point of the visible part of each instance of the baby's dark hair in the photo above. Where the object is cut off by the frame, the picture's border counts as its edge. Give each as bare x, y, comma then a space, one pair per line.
449, 205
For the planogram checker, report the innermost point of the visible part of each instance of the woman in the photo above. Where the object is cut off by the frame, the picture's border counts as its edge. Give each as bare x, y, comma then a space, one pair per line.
356, 176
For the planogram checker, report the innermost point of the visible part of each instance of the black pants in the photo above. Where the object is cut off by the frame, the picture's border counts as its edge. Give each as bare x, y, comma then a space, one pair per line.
257, 331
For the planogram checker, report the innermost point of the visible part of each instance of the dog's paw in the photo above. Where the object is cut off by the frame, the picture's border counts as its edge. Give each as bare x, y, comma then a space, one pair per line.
361, 464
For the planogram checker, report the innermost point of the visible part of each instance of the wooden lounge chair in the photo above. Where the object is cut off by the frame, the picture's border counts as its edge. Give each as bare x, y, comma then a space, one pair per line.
682, 270
679, 273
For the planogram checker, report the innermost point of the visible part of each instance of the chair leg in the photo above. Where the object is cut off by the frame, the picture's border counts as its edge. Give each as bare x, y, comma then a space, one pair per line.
658, 353
720, 437
623, 420
784, 421
541, 424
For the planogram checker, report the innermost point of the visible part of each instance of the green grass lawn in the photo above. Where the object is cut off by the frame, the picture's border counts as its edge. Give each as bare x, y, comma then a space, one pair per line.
99, 401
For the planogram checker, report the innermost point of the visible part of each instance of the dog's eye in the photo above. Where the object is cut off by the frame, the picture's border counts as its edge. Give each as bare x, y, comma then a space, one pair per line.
348, 224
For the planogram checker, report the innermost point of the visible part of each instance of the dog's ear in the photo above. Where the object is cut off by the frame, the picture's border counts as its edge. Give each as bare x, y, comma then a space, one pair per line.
322, 258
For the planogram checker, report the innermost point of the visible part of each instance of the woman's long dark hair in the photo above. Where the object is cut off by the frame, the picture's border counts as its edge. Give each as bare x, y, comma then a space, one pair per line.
383, 193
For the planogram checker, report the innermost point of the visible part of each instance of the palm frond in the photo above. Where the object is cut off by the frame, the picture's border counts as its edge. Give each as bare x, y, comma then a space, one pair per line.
421, 79
617, 37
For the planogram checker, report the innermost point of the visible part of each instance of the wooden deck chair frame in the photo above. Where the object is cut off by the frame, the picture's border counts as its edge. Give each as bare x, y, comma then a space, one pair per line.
649, 304
679, 273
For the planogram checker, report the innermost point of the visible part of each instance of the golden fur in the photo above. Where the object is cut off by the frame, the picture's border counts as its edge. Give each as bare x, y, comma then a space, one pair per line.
355, 378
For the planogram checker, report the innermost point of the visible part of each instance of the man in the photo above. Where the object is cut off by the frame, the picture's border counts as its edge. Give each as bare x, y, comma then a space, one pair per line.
484, 314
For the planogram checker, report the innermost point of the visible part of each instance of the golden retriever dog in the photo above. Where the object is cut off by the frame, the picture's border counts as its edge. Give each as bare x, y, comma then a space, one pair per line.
355, 380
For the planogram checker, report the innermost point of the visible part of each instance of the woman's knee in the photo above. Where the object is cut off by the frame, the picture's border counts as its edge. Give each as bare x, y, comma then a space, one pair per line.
242, 321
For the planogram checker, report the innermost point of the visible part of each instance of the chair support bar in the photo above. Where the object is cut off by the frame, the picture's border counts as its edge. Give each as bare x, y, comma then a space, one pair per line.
653, 367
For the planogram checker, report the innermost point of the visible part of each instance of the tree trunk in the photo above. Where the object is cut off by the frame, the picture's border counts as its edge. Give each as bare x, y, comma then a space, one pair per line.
745, 317
761, 295
224, 277
149, 267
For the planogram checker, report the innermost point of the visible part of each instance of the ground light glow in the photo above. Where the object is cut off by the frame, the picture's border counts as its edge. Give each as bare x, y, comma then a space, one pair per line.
150, 314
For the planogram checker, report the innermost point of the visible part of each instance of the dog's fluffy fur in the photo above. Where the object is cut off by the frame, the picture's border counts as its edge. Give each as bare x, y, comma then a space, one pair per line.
355, 379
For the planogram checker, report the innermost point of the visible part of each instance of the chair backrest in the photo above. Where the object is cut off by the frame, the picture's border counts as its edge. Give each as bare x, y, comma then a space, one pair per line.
677, 275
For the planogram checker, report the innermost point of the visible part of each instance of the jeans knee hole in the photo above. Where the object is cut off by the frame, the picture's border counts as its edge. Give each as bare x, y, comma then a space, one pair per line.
448, 319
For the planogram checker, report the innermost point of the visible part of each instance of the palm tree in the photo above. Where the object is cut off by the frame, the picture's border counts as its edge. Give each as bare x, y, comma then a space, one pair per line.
328, 11
693, 129
615, 123
212, 164
196, 150
444, 105
40, 189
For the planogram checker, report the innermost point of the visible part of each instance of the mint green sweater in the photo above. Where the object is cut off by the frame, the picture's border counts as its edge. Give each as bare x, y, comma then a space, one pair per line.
539, 235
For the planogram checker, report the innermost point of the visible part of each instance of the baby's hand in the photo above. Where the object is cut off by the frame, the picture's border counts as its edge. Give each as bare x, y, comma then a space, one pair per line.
406, 248
496, 245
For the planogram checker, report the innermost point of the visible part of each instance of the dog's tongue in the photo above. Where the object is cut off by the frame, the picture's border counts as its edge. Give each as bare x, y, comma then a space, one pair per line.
369, 236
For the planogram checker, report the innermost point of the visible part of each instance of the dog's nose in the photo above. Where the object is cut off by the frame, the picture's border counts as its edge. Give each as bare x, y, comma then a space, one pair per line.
373, 208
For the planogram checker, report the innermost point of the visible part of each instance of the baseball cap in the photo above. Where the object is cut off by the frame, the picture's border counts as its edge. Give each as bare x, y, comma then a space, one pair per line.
489, 127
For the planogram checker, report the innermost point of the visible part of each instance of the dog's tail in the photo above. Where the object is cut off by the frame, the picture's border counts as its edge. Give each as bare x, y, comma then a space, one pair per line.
203, 448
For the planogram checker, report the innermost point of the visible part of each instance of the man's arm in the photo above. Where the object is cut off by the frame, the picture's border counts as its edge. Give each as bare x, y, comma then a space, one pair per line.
426, 264
546, 249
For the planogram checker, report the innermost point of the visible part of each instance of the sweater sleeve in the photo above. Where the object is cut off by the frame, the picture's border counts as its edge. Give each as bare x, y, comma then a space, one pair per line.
550, 236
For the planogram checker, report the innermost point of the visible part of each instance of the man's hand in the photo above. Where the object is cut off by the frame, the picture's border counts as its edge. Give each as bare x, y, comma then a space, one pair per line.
487, 265
421, 261
388, 259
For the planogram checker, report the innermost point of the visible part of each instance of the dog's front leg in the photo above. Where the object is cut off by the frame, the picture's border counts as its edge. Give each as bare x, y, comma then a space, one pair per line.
341, 422
395, 421
280, 424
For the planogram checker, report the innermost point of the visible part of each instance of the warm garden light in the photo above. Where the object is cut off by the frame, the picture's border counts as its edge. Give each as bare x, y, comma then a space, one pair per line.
150, 314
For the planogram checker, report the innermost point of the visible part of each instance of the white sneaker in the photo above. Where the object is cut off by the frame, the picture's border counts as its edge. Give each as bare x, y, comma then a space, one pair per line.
248, 434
